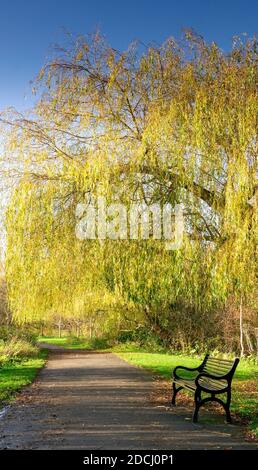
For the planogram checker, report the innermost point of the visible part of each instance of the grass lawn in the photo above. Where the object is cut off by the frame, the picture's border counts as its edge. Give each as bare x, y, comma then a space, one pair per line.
71, 342
16, 374
244, 385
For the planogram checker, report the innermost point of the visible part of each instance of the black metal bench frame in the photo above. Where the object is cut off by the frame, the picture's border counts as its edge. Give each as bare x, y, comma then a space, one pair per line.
214, 376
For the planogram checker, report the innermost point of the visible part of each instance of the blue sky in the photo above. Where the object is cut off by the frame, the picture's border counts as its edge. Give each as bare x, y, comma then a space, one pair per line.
29, 27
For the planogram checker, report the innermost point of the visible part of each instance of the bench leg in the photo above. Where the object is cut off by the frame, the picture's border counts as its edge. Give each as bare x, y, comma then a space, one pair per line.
227, 407
197, 401
174, 393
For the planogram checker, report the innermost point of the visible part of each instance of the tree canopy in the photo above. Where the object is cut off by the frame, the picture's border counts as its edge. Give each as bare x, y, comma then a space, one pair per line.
175, 123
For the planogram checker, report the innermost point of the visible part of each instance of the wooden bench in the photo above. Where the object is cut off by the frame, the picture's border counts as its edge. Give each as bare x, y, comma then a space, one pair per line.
213, 376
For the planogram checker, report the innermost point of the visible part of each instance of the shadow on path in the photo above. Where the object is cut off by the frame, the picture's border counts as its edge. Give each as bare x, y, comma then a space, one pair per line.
87, 400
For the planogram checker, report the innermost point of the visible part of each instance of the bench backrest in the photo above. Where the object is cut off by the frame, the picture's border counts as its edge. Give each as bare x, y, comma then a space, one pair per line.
218, 366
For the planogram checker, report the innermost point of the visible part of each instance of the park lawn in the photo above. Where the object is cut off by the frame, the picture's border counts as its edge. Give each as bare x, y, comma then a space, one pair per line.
71, 342
65, 342
244, 385
15, 374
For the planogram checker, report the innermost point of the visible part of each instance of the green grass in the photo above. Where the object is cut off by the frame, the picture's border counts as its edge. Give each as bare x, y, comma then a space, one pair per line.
71, 342
163, 363
244, 389
16, 374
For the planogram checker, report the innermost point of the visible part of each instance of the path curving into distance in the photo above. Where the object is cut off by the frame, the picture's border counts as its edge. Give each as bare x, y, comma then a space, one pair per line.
89, 400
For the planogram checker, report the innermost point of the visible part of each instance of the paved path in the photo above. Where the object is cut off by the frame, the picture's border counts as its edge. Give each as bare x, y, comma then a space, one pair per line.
97, 401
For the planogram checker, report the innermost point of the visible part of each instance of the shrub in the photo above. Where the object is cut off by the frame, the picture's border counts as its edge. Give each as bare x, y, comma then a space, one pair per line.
99, 343
17, 348
7, 332
142, 337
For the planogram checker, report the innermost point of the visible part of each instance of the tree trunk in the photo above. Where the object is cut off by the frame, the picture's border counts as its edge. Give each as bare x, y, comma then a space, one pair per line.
256, 335
248, 341
242, 352
91, 328
60, 329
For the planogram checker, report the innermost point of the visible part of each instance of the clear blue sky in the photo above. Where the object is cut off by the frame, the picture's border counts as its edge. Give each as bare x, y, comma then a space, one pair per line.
28, 27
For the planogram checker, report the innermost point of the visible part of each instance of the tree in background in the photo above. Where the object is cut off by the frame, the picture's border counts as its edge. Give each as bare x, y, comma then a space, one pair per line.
169, 124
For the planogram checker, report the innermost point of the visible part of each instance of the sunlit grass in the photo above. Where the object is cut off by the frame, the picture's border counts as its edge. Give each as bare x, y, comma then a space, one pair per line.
16, 374
71, 342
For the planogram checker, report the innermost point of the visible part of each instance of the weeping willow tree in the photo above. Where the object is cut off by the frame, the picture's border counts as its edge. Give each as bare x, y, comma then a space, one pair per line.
170, 124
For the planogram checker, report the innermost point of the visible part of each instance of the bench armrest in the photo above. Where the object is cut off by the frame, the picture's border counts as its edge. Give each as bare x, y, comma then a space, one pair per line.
191, 369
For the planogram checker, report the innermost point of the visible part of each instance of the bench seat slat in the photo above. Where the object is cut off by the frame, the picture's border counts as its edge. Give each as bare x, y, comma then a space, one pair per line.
218, 361
216, 364
216, 370
186, 383
222, 363
213, 384
210, 384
